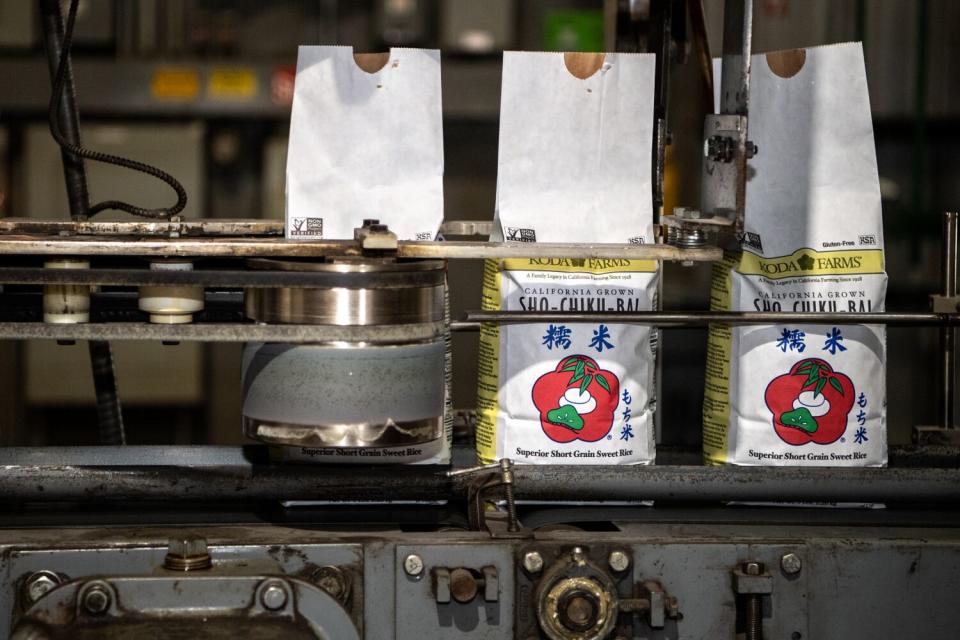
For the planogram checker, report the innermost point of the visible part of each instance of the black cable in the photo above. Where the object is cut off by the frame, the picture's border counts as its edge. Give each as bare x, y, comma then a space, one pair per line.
96, 156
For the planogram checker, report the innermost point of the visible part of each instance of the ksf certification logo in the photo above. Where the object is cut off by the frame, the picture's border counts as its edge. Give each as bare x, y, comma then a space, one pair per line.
306, 227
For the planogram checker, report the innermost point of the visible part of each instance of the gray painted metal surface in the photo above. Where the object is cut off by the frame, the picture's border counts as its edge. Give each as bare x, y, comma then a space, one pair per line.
896, 581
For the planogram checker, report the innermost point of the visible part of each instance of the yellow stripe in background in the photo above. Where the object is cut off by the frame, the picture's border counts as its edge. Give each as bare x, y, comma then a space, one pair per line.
596, 266
808, 262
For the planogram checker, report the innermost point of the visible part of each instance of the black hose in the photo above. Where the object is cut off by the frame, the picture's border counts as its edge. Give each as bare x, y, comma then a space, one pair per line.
63, 113
109, 416
79, 151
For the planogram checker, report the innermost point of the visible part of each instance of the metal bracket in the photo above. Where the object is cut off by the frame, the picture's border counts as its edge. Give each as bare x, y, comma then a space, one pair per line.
493, 476
374, 236
945, 304
936, 435
653, 603
723, 179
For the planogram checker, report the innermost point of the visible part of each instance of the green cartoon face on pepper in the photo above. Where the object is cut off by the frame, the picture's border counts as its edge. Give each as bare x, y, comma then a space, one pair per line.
577, 400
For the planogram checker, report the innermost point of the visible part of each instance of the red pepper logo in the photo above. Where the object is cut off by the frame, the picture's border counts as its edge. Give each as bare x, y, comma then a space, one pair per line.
577, 400
811, 403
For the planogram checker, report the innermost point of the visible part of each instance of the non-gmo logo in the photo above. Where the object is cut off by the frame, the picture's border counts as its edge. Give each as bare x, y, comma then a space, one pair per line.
515, 234
307, 227
753, 241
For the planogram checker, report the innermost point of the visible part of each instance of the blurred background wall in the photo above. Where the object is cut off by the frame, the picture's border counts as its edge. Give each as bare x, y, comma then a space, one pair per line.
202, 88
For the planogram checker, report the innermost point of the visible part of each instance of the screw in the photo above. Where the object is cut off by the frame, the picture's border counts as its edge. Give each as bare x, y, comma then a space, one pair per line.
791, 563
274, 596
38, 584
96, 600
754, 621
618, 560
413, 565
506, 472
532, 561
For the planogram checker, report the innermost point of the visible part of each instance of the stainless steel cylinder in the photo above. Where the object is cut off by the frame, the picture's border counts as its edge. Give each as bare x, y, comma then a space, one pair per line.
350, 395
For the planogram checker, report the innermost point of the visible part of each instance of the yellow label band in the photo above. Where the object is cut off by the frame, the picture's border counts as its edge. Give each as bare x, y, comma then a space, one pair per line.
808, 262
596, 266
232, 83
174, 83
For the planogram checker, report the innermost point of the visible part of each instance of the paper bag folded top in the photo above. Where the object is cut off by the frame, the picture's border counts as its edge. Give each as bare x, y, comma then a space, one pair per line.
366, 141
575, 147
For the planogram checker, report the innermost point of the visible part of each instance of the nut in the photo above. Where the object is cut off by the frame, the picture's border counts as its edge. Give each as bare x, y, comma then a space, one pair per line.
274, 596
413, 565
187, 553
96, 600
618, 560
791, 563
38, 584
533, 561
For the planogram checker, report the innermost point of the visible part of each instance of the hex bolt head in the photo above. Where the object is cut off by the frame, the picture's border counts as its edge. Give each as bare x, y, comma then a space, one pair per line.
579, 556
791, 563
96, 600
752, 568
38, 584
413, 565
618, 560
533, 561
187, 553
273, 597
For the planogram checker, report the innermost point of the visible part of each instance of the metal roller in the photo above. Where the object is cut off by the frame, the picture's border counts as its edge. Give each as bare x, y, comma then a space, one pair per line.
350, 394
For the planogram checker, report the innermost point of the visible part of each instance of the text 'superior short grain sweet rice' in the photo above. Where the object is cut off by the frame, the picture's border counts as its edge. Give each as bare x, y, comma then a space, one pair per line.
574, 166
803, 394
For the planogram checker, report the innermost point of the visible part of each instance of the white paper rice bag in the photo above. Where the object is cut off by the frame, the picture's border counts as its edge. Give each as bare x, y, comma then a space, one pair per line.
803, 394
574, 166
365, 145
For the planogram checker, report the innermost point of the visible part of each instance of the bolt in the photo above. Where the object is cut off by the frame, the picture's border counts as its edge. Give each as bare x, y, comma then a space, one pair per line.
187, 553
463, 585
754, 611
413, 565
532, 561
96, 600
274, 596
618, 560
38, 584
578, 556
332, 580
790, 563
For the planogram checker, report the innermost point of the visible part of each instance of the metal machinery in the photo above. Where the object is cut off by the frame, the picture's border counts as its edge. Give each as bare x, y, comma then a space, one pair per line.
212, 542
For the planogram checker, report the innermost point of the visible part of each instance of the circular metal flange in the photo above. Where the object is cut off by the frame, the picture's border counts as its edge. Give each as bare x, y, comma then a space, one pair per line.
577, 600
356, 293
